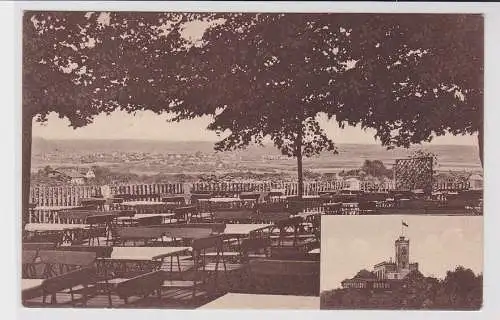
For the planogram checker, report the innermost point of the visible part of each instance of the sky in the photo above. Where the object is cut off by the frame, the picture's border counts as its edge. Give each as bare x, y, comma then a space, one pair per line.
150, 126
437, 243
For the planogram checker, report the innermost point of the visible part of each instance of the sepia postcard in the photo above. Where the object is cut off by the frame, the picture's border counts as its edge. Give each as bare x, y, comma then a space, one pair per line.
251, 160
402, 262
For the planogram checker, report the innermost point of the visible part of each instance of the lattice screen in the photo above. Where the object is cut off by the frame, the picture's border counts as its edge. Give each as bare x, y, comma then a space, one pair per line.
414, 173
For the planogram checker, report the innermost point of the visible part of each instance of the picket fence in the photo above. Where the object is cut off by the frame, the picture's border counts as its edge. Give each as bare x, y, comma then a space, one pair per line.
49, 196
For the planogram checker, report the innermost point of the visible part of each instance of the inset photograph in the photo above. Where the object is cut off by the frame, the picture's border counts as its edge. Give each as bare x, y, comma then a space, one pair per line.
402, 262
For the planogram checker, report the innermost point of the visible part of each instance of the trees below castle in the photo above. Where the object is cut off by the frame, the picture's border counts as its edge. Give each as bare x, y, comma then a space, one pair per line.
461, 289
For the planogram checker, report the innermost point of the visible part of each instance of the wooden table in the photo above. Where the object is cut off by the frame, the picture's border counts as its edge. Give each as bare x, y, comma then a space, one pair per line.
308, 197
27, 284
55, 208
81, 215
174, 199
54, 226
93, 201
141, 203
143, 259
145, 253
233, 215
69, 232
294, 198
350, 208
47, 213
166, 216
145, 206
241, 230
137, 217
254, 195
307, 214
31, 288
221, 200
262, 301
227, 202
187, 212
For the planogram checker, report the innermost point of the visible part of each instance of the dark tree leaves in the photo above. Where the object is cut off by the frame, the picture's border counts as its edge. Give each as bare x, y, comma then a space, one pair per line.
410, 77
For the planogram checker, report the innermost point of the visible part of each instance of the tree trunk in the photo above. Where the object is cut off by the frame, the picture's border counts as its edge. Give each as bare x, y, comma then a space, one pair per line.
26, 165
480, 142
300, 174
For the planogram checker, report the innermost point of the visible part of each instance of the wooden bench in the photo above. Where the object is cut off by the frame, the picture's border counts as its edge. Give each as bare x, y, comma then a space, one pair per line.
57, 262
141, 286
202, 269
272, 207
28, 257
200, 195
185, 213
67, 282
46, 236
252, 248
271, 217
284, 277
284, 267
99, 226
142, 234
262, 196
288, 227
61, 269
233, 215
173, 199
79, 216
186, 233
100, 251
215, 227
39, 245
149, 221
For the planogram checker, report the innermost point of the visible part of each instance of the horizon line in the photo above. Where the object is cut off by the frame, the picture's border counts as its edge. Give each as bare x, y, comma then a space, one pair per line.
214, 141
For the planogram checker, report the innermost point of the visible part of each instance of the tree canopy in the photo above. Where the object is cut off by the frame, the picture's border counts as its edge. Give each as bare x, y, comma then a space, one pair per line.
80, 64
272, 75
409, 77
418, 76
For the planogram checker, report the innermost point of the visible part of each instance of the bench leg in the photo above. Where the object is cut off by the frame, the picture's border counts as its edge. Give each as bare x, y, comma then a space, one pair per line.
72, 296
108, 289
85, 297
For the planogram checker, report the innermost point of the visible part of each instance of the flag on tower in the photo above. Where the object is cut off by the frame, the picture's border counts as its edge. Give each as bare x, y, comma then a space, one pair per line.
404, 224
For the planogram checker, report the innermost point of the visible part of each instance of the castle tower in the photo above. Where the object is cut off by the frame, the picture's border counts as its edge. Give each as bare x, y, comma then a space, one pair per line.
402, 247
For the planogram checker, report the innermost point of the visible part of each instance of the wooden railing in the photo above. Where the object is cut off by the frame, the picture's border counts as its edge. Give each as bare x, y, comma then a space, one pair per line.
71, 195
148, 192
451, 186
47, 196
289, 188
46, 200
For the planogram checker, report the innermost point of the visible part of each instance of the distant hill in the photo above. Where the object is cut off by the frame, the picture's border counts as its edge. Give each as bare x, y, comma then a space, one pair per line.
41, 145
449, 156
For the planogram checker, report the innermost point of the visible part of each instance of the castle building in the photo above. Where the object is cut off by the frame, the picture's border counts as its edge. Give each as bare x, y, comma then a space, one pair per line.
386, 274
401, 267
